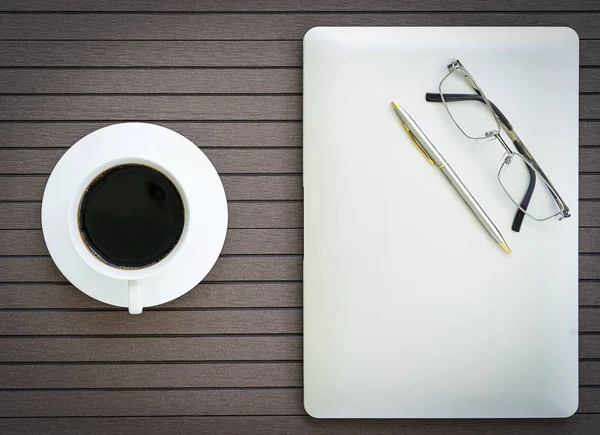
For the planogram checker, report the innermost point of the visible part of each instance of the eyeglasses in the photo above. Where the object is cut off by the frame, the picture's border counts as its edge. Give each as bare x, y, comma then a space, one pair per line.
479, 119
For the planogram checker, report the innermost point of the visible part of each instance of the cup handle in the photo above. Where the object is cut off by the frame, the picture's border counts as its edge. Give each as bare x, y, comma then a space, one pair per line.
135, 297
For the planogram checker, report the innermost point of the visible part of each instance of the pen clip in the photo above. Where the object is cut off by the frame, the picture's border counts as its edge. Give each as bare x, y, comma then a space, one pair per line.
417, 144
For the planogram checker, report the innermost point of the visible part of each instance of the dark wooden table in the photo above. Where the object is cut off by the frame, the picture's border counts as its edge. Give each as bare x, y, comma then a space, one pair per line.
226, 357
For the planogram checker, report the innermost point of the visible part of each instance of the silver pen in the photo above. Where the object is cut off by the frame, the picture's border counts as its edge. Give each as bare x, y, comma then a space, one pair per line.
433, 156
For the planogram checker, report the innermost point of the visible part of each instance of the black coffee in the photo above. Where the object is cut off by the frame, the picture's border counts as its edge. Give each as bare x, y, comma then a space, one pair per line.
131, 216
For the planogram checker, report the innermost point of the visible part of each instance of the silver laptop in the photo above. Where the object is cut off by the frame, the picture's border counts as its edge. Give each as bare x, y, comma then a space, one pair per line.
410, 308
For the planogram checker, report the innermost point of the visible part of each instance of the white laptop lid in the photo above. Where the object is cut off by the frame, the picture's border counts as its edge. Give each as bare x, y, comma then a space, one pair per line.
410, 308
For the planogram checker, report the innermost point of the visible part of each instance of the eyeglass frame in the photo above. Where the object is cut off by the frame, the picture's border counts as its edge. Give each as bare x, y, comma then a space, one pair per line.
502, 123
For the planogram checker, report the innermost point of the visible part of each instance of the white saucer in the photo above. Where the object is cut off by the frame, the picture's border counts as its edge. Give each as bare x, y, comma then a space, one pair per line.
207, 210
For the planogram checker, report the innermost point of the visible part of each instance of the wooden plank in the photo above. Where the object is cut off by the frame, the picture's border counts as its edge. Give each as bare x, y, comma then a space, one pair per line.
288, 26
163, 402
589, 133
586, 109
589, 319
153, 81
247, 268
256, 161
237, 187
589, 346
194, 375
589, 373
214, 295
237, 321
178, 402
205, 135
589, 240
589, 266
272, 241
191, 375
160, 54
589, 185
267, 214
589, 400
589, 213
579, 424
589, 80
175, 81
179, 107
238, 241
147, 349
291, 6
234, 161
589, 53
589, 293
149, 107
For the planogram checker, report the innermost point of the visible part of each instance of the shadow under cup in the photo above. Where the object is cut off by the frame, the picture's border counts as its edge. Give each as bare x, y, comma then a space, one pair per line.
131, 216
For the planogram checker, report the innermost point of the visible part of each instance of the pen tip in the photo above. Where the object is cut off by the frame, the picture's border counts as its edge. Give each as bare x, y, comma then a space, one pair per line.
395, 105
504, 246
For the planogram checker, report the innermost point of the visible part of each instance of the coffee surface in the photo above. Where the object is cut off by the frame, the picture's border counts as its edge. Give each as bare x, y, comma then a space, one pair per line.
131, 216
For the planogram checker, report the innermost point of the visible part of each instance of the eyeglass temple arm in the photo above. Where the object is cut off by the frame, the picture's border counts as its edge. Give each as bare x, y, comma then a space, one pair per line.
508, 128
506, 125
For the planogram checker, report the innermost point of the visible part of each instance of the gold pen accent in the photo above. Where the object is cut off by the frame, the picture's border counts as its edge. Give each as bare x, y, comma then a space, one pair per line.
413, 138
504, 246
442, 165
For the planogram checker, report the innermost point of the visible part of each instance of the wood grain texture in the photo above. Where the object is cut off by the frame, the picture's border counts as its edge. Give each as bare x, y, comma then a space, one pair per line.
589, 265
178, 402
589, 293
144, 107
155, 349
175, 81
176, 54
236, 321
180, 107
286, 26
227, 75
581, 424
245, 187
204, 295
245, 268
188, 375
178, 349
205, 135
202, 322
248, 241
267, 214
164, 402
152, 81
257, 161
193, 375
244, 161
292, 5
161, 54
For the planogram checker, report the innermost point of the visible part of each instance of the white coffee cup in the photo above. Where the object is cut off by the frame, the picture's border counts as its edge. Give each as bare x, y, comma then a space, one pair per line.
204, 204
133, 276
